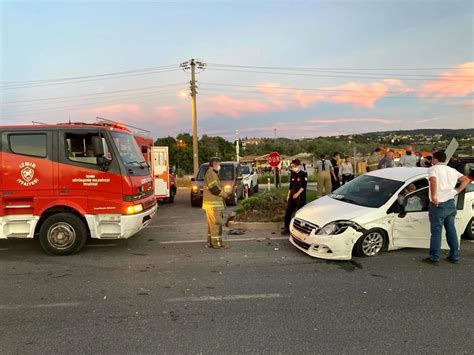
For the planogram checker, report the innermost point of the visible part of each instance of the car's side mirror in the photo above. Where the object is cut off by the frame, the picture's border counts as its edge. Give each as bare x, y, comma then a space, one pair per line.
240, 177
193, 179
402, 213
97, 146
103, 162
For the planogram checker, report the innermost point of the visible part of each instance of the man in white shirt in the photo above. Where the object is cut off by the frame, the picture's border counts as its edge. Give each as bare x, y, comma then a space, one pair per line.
442, 210
408, 160
325, 171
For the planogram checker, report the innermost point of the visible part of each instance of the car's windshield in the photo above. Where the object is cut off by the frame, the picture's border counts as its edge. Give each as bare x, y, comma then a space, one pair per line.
226, 172
245, 169
128, 149
368, 191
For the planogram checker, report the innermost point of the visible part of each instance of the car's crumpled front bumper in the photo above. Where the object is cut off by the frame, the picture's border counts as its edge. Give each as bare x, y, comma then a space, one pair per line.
330, 247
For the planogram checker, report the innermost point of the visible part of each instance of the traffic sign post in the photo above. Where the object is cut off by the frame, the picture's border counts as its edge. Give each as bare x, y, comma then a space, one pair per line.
274, 160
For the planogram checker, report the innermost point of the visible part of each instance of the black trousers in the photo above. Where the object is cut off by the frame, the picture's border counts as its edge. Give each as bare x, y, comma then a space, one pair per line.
346, 178
291, 208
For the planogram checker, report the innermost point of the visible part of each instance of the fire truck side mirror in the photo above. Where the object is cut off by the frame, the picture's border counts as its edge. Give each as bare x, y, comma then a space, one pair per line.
98, 147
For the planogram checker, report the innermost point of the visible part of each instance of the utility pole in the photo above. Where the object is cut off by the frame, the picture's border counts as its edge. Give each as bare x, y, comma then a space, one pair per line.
191, 64
237, 145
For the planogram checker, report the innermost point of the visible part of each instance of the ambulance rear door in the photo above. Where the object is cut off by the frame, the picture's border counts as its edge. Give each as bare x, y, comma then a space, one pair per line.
161, 176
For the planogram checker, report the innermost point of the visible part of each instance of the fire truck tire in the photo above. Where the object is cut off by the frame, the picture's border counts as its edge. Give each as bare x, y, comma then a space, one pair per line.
172, 196
63, 234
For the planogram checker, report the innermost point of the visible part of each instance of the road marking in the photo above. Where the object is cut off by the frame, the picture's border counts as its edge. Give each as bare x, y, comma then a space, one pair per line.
226, 298
38, 306
225, 240
100, 245
177, 225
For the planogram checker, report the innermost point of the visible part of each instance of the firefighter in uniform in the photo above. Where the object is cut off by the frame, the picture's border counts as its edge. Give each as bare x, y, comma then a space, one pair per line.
213, 204
296, 193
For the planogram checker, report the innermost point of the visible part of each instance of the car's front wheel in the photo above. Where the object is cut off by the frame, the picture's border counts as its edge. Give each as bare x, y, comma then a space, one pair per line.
370, 244
469, 233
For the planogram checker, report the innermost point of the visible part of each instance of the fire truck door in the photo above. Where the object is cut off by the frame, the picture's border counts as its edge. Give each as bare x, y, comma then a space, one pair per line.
161, 177
27, 169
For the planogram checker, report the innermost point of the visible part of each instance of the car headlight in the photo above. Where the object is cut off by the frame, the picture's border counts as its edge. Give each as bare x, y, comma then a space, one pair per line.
333, 228
134, 209
228, 188
195, 188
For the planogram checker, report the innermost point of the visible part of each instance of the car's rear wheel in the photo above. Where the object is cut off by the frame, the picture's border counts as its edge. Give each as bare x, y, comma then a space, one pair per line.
63, 234
255, 188
370, 244
469, 233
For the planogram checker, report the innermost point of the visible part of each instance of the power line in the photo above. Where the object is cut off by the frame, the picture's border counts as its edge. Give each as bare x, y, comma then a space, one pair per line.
90, 76
86, 95
86, 80
329, 68
258, 88
89, 105
329, 76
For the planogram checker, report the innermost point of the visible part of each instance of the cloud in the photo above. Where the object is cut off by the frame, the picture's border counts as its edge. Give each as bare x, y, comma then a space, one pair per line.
116, 110
234, 107
429, 120
458, 82
353, 120
168, 114
356, 94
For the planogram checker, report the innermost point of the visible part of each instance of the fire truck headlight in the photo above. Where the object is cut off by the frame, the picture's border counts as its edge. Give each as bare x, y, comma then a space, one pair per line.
134, 209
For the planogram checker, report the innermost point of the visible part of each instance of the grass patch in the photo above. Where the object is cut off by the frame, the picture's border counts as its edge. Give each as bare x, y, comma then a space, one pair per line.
183, 182
269, 206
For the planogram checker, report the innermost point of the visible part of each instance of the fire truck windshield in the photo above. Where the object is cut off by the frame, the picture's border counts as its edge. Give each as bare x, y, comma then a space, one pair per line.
128, 149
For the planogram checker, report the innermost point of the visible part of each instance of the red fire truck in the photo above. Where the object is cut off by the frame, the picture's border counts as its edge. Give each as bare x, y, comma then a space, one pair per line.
64, 183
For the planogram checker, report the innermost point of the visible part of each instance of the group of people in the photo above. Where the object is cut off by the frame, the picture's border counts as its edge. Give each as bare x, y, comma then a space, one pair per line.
332, 174
444, 184
410, 159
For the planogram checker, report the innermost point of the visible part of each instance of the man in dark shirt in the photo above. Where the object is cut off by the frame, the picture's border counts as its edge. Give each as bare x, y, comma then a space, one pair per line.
296, 193
335, 183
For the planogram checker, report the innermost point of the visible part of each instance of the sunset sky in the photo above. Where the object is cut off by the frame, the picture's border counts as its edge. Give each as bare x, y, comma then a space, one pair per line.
306, 68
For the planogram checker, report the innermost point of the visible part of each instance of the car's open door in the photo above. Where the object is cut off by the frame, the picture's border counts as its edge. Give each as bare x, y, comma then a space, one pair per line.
161, 177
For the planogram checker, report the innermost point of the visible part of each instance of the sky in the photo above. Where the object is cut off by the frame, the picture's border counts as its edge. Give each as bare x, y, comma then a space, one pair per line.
304, 68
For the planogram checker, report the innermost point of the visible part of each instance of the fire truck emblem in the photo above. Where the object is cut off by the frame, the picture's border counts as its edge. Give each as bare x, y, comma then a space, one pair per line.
27, 172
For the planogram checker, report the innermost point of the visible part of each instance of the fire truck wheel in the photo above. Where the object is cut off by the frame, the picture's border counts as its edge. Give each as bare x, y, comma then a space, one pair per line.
63, 234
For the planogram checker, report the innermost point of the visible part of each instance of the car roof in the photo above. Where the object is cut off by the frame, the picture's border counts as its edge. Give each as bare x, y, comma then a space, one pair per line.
399, 173
222, 163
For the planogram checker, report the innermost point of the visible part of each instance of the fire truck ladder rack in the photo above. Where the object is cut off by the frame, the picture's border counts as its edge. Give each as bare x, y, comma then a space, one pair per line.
134, 129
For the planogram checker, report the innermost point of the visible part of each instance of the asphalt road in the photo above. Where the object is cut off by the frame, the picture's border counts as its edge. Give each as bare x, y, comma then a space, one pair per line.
163, 292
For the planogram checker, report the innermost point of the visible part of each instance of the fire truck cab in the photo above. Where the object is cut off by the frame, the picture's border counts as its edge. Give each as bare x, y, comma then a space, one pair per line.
67, 182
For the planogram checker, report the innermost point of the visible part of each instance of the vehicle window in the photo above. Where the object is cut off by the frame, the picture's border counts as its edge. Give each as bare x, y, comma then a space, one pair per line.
368, 191
417, 201
129, 151
79, 147
32, 144
227, 172
202, 172
245, 169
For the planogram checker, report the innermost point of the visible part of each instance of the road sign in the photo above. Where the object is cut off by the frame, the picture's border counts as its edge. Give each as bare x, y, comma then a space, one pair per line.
274, 159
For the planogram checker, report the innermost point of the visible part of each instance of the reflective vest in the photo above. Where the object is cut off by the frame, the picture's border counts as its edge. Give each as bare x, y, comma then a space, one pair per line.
209, 199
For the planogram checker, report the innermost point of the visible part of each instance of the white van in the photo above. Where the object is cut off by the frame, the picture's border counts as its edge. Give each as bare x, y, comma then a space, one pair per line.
371, 213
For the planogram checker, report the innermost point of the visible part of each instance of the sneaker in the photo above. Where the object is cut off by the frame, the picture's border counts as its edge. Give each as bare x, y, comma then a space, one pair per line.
430, 261
453, 261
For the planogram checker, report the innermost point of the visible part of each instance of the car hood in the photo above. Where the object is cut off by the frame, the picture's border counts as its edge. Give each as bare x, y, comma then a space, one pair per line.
326, 210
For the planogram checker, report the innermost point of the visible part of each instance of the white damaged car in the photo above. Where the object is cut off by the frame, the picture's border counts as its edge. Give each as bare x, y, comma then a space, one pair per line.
374, 212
